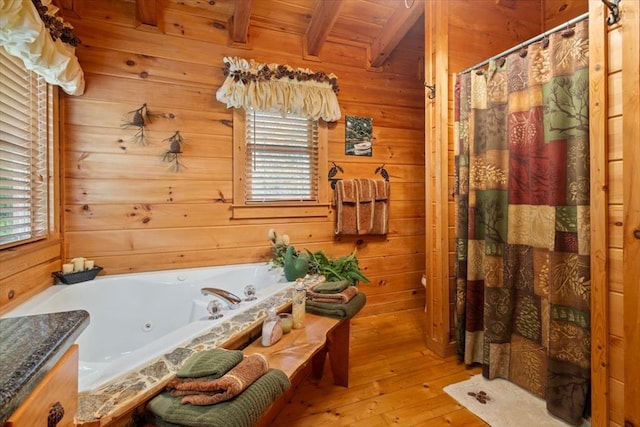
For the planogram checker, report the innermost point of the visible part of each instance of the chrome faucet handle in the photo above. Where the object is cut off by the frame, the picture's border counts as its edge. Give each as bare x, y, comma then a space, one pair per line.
215, 309
250, 293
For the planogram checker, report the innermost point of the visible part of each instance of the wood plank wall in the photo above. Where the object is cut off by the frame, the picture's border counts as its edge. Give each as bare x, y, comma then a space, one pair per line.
124, 208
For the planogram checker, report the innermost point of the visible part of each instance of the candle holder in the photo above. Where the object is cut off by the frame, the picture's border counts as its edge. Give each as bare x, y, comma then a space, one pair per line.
78, 276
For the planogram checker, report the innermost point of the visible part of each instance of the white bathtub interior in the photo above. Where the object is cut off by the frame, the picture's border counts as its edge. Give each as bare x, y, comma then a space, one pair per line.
137, 317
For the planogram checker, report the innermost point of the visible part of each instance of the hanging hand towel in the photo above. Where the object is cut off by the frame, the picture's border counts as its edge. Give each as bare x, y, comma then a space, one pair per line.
346, 202
381, 208
366, 199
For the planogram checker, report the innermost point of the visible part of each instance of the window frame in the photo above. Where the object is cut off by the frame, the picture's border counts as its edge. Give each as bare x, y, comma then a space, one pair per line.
52, 234
243, 209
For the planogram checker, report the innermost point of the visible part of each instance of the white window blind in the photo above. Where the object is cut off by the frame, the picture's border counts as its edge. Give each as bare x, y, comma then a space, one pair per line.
25, 105
281, 158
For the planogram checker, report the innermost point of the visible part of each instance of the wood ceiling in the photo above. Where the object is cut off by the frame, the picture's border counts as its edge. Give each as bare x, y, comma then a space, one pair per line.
378, 24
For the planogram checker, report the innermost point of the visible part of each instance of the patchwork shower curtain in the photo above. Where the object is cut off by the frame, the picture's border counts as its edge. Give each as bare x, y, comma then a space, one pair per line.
522, 207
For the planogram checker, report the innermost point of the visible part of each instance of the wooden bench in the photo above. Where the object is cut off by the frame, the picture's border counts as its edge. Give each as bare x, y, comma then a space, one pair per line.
303, 352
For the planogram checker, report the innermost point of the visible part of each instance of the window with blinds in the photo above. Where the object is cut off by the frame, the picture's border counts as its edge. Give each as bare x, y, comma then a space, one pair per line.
281, 158
25, 107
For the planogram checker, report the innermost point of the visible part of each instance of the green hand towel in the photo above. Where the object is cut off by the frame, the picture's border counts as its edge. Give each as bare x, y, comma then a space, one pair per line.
335, 310
214, 363
242, 411
331, 287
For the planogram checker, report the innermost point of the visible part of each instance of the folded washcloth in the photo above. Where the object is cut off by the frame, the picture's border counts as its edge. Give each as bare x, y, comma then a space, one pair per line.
331, 287
337, 311
242, 411
214, 363
339, 297
206, 391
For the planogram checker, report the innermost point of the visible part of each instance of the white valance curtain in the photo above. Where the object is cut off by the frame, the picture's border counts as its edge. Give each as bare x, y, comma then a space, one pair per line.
273, 87
24, 35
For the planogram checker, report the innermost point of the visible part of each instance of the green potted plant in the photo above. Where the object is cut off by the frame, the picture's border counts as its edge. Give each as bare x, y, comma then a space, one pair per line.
295, 262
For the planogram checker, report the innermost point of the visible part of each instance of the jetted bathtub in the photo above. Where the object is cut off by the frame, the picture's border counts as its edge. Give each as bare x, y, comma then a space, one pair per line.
137, 317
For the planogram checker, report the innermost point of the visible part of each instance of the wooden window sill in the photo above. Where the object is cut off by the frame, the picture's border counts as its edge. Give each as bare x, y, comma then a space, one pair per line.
280, 210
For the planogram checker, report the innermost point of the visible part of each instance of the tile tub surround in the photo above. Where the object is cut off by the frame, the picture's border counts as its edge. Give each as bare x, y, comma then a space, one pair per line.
29, 347
134, 388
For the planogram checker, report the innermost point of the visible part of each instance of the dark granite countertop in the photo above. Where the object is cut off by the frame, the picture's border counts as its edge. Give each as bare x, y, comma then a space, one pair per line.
29, 347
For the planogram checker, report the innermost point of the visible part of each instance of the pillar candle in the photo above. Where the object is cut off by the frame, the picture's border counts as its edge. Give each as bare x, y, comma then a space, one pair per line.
88, 264
67, 268
78, 264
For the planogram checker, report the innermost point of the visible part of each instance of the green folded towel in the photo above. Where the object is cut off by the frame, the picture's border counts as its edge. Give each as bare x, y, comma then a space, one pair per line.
242, 411
214, 363
335, 310
331, 287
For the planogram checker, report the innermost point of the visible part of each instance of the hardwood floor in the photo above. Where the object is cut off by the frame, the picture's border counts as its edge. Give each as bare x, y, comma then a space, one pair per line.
394, 380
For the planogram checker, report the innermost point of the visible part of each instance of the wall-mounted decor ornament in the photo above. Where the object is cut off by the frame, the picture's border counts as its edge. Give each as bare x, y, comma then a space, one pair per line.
174, 151
358, 136
383, 172
333, 172
139, 119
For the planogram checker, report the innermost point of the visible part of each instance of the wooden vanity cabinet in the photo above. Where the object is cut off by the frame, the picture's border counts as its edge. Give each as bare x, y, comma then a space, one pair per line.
54, 401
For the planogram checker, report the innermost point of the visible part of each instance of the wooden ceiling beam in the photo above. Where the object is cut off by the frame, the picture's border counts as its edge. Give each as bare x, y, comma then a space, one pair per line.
394, 31
239, 31
147, 12
322, 21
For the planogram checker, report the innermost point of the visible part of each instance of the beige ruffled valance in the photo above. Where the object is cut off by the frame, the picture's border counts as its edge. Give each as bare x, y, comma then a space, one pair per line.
23, 34
273, 87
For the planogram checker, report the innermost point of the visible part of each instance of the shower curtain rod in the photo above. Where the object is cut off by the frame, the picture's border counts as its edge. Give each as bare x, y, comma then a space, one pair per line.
528, 42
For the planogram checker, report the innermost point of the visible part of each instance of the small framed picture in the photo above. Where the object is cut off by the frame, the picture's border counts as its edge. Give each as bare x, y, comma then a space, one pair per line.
358, 136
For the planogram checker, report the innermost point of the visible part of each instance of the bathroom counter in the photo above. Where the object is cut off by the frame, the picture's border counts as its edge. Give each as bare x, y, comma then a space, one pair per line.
29, 347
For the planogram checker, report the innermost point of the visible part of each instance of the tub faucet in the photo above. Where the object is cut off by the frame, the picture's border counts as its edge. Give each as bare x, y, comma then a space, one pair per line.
233, 301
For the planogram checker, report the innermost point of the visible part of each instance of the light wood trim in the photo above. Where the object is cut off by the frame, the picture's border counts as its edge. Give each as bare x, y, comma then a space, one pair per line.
59, 385
324, 17
630, 26
394, 31
429, 113
437, 181
240, 24
598, 135
442, 181
280, 211
239, 152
